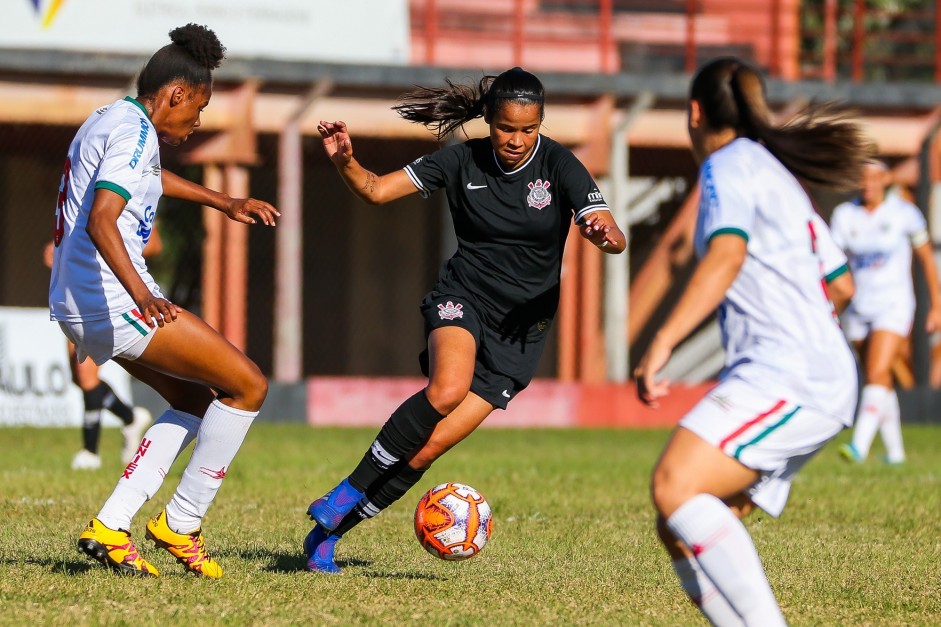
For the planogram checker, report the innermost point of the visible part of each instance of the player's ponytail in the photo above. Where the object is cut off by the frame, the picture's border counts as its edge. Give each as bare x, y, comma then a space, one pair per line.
445, 109
821, 144
194, 52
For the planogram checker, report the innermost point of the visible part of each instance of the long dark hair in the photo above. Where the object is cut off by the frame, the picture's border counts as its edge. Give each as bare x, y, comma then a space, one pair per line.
194, 52
444, 109
821, 144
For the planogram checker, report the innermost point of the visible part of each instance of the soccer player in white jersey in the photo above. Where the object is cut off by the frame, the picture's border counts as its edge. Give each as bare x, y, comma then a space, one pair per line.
109, 306
879, 232
789, 384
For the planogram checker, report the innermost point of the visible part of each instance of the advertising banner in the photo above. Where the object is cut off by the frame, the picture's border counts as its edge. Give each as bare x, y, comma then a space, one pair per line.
36, 386
352, 31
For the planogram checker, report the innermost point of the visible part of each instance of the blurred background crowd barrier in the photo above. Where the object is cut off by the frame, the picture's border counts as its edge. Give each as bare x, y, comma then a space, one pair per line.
333, 290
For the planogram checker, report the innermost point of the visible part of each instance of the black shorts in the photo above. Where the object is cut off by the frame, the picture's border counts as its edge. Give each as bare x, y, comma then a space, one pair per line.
504, 365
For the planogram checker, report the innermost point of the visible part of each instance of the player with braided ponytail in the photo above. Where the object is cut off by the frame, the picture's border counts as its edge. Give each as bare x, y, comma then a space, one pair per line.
108, 305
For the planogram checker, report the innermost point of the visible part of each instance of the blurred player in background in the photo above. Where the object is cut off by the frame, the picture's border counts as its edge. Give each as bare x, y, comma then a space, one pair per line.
109, 306
789, 385
879, 233
98, 396
513, 197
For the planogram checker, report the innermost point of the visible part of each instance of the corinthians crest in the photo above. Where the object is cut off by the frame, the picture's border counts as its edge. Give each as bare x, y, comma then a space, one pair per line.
539, 195
450, 311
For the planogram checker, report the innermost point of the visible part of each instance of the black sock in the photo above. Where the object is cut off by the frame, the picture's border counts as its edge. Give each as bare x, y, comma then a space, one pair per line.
397, 482
91, 420
407, 428
91, 430
115, 405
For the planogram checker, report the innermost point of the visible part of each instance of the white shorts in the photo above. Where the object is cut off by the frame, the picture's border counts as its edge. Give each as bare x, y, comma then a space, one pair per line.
124, 336
769, 434
896, 318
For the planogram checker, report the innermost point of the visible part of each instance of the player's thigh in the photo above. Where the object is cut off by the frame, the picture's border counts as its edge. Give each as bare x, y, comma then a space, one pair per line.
190, 349
452, 354
882, 348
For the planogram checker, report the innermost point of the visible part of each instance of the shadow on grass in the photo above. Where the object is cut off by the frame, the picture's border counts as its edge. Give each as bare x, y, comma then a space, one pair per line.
293, 562
71, 567
373, 574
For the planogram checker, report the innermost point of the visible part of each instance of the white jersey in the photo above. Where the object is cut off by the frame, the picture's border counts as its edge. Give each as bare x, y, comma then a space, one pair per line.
833, 261
879, 246
777, 323
115, 149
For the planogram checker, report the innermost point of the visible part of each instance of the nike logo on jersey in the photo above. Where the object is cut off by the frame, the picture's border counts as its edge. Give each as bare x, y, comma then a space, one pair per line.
472, 186
506, 394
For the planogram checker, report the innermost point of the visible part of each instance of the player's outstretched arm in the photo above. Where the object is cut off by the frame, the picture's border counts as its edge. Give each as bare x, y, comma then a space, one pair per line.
707, 287
370, 187
238, 209
925, 255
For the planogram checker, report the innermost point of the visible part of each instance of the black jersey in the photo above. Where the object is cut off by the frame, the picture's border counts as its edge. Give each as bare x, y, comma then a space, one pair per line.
510, 226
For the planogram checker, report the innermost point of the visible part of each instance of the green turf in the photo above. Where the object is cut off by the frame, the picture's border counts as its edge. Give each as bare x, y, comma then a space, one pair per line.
573, 538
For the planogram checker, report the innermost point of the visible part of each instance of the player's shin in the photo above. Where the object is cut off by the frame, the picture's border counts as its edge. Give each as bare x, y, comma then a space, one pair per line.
142, 477
220, 436
407, 428
722, 547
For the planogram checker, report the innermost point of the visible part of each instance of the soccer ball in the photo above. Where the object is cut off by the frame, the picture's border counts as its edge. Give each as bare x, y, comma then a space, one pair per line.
453, 521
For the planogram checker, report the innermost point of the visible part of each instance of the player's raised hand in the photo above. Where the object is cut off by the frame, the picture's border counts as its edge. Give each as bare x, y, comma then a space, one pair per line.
933, 320
242, 210
649, 390
336, 142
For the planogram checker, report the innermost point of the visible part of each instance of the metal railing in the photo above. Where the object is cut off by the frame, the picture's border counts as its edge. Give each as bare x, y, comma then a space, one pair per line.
828, 40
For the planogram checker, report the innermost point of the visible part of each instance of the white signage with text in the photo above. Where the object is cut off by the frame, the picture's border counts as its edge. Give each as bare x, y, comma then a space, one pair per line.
36, 386
351, 31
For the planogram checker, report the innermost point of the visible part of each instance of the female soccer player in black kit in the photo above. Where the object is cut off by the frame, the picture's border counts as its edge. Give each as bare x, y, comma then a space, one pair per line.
512, 197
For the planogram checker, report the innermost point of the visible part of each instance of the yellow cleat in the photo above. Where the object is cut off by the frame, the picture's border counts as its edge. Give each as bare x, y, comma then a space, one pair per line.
114, 549
189, 549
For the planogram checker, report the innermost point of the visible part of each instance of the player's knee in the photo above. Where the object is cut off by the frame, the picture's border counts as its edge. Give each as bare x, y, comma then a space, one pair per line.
669, 490
254, 389
445, 396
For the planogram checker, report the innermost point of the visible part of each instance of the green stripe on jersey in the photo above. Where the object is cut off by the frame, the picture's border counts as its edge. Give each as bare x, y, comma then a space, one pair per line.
134, 101
729, 230
761, 436
836, 273
114, 187
134, 323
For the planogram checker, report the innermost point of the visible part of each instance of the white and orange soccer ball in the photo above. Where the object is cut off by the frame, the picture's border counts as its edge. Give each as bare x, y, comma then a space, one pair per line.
453, 521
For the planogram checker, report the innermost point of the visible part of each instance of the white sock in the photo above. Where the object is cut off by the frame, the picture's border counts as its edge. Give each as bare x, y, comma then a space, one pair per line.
701, 591
219, 438
891, 429
725, 553
869, 417
161, 445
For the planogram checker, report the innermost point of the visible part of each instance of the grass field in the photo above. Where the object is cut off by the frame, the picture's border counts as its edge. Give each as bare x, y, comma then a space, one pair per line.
573, 538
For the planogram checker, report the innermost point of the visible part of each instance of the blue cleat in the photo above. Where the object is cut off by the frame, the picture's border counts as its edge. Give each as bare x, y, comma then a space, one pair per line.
850, 454
333, 506
319, 546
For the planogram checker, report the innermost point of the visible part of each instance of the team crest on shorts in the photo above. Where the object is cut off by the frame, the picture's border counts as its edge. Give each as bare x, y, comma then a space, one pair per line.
450, 311
539, 195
